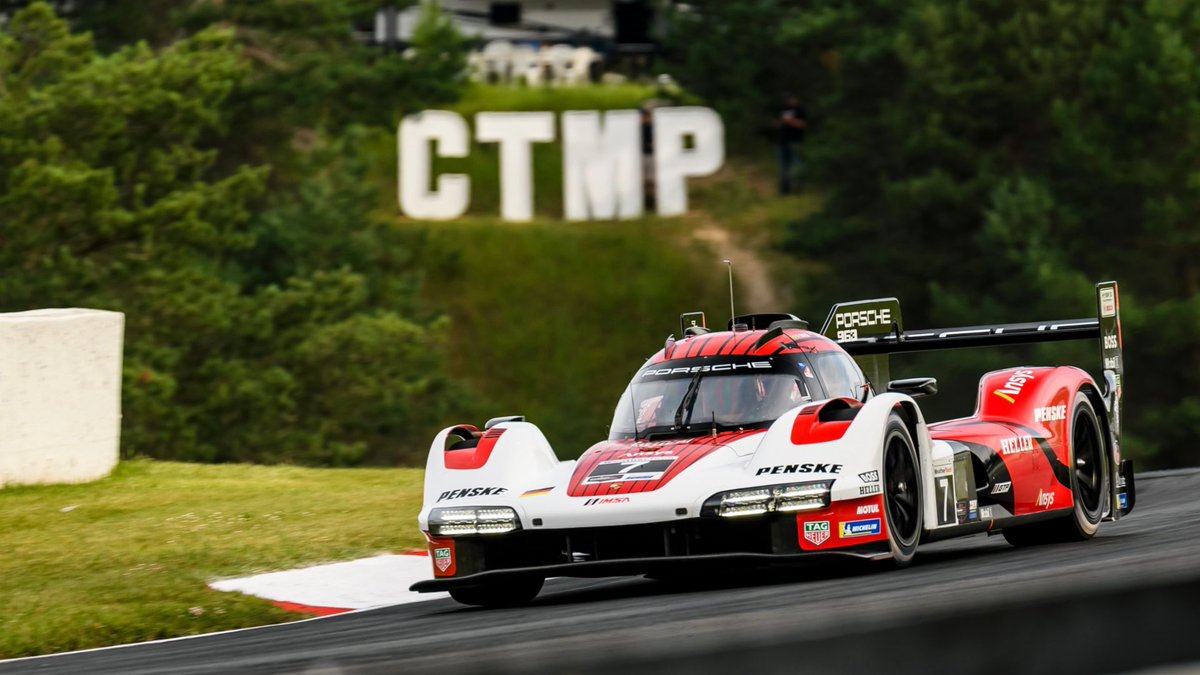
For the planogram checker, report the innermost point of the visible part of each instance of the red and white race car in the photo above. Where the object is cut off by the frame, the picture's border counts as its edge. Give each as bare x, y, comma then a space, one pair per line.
767, 443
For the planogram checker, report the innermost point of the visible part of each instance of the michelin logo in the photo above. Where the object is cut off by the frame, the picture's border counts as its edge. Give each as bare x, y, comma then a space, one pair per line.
861, 528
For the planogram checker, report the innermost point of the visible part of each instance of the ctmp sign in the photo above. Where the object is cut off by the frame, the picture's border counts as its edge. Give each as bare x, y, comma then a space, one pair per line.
602, 160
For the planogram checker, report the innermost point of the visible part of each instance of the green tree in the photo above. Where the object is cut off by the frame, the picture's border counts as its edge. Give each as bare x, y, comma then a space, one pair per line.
114, 194
986, 161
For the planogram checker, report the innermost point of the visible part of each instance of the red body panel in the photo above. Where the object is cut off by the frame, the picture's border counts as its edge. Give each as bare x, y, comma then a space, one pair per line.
808, 427
742, 344
847, 523
476, 457
660, 461
1023, 416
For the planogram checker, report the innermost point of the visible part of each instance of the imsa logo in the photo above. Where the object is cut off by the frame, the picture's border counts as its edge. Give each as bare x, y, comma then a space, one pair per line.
817, 532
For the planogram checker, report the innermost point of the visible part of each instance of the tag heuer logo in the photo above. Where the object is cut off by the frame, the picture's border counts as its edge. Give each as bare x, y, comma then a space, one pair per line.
817, 532
441, 558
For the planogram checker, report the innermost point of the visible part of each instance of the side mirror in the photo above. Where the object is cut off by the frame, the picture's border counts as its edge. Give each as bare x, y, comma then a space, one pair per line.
497, 420
915, 387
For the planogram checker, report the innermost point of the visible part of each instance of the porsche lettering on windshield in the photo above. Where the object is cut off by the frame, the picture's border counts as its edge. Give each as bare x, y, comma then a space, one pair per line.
713, 368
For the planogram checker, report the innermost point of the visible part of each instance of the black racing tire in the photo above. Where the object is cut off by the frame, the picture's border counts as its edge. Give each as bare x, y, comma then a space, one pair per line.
1088, 462
506, 593
901, 491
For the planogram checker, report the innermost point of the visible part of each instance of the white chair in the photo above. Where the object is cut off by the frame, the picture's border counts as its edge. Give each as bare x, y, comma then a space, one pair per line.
581, 65
557, 59
524, 63
496, 56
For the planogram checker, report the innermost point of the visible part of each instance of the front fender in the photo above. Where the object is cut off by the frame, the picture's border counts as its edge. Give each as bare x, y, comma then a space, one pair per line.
859, 450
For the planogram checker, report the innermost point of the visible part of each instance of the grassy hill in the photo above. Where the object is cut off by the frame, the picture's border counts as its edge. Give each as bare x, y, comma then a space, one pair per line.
550, 319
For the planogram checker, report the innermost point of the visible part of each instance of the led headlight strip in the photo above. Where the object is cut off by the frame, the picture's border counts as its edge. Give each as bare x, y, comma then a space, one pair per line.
790, 498
459, 521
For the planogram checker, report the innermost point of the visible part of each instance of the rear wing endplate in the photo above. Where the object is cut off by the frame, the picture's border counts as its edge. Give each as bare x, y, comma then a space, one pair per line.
871, 330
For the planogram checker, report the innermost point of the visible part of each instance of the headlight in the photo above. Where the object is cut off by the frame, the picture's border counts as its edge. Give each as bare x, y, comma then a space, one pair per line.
810, 496
460, 521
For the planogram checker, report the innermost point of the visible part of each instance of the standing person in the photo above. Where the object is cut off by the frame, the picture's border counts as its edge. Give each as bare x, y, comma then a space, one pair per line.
647, 123
791, 120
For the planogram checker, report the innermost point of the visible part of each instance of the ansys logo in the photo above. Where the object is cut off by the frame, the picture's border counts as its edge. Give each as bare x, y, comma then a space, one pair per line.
1013, 387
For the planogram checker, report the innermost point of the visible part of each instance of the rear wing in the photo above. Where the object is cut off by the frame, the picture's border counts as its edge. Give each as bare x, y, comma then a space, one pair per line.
870, 330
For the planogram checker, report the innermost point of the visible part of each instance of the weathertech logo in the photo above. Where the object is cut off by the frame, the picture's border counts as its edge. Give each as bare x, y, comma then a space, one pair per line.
443, 559
817, 532
1012, 388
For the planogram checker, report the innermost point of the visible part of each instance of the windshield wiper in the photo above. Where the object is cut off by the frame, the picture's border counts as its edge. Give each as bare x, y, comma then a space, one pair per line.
688, 400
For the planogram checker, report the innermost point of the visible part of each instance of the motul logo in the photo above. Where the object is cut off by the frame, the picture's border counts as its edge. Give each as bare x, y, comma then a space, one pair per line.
1013, 387
867, 508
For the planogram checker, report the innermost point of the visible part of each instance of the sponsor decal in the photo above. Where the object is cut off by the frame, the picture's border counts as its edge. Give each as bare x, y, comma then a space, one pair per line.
629, 470
1110, 342
867, 509
1108, 302
985, 512
1122, 500
471, 492
1012, 388
1052, 413
800, 468
538, 492
864, 317
943, 470
1016, 445
869, 490
1045, 499
715, 368
1110, 363
600, 501
861, 528
443, 558
817, 532
1002, 488
871, 476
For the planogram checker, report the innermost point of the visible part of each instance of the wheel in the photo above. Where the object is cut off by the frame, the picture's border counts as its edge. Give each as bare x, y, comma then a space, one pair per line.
901, 491
507, 593
1089, 485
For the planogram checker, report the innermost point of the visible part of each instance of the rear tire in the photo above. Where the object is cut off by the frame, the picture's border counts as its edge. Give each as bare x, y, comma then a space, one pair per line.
1088, 462
901, 491
508, 593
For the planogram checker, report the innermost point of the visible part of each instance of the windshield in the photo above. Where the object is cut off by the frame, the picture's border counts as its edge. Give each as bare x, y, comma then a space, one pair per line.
671, 401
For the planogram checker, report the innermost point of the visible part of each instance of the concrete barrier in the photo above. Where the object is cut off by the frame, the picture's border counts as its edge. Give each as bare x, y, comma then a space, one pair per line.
60, 395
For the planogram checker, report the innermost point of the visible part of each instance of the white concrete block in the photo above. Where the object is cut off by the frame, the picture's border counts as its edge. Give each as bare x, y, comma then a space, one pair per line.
60, 395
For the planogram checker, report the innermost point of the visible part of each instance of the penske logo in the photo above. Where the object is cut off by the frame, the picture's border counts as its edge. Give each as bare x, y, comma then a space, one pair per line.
1012, 388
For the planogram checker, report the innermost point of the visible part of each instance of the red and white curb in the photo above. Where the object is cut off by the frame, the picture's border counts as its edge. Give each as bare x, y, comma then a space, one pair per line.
340, 587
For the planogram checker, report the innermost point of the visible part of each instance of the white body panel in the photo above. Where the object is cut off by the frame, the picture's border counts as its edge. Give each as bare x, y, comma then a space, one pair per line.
522, 461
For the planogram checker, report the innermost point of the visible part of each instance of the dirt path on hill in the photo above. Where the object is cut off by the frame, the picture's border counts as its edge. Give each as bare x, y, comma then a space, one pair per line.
752, 283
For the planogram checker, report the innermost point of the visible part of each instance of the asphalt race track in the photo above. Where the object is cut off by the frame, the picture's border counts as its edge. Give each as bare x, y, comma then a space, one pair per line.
1126, 600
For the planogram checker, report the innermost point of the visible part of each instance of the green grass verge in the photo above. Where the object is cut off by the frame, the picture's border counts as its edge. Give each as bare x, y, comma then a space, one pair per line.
132, 559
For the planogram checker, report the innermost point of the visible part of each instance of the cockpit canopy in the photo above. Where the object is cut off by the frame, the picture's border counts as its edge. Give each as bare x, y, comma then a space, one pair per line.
688, 396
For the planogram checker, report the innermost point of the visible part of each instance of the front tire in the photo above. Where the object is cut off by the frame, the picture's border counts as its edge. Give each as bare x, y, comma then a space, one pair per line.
901, 491
1088, 462
506, 593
